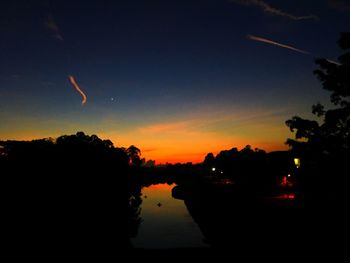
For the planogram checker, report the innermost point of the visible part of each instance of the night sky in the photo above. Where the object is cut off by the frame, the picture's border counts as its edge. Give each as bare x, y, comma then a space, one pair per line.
178, 79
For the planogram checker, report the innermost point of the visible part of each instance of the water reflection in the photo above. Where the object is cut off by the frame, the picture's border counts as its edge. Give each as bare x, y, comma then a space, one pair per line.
166, 222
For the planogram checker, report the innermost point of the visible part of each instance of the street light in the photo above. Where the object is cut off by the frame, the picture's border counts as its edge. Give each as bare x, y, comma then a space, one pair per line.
297, 162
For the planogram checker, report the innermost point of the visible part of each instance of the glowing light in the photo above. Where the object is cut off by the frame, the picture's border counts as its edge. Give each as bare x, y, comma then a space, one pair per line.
289, 175
284, 182
213, 169
286, 196
2, 151
76, 86
297, 162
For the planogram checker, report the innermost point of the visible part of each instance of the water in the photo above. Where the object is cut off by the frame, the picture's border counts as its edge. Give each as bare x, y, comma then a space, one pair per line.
166, 221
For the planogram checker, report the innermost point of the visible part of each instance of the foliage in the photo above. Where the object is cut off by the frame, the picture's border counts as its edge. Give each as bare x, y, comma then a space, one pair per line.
76, 182
251, 169
325, 146
134, 154
332, 136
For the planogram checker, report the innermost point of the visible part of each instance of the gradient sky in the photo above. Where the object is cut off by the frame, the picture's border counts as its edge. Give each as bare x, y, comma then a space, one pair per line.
178, 79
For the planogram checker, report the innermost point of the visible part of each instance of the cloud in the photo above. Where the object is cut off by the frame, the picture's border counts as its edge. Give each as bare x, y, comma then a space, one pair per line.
51, 24
76, 86
272, 10
165, 127
191, 135
211, 122
147, 150
334, 62
271, 42
340, 5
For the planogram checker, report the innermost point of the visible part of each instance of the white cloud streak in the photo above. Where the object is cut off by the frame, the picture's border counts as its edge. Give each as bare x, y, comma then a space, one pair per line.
271, 42
51, 24
272, 10
76, 86
333, 62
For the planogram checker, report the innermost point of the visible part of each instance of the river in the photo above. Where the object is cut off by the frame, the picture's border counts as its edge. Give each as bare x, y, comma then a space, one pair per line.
166, 223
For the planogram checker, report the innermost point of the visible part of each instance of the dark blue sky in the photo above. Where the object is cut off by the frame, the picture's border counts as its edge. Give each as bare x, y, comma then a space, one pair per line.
164, 74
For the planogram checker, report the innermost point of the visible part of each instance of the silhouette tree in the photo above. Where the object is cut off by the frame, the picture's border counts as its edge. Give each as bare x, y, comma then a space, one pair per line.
325, 146
209, 161
149, 163
57, 189
134, 154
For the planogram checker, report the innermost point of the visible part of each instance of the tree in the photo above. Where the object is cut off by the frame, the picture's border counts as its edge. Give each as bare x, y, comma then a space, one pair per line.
77, 177
325, 146
134, 154
149, 163
209, 161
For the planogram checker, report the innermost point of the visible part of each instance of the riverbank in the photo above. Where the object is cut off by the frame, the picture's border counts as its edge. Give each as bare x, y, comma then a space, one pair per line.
242, 255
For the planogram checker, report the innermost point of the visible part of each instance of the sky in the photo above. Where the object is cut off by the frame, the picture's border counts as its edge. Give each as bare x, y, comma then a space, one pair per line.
178, 79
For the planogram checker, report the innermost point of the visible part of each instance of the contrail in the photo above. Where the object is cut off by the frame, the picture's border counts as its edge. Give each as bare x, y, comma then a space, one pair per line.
333, 62
268, 41
272, 10
271, 42
53, 27
76, 86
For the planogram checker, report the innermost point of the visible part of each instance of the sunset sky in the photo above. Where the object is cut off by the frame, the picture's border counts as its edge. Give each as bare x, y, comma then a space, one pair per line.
176, 78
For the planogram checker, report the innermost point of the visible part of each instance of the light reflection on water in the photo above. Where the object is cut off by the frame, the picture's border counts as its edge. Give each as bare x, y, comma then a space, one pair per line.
166, 222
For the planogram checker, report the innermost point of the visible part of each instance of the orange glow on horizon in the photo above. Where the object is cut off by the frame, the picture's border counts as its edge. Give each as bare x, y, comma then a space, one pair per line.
180, 139
191, 138
172, 149
193, 149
